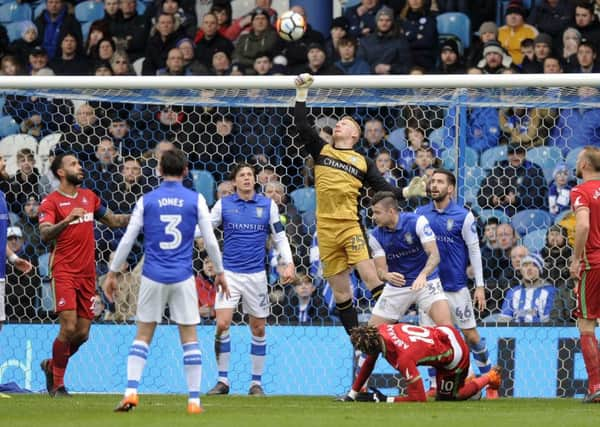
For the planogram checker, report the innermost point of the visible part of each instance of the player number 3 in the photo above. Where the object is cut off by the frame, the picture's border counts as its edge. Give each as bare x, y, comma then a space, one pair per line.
171, 230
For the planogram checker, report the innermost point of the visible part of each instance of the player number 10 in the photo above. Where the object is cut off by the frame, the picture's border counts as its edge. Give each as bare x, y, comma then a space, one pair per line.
416, 333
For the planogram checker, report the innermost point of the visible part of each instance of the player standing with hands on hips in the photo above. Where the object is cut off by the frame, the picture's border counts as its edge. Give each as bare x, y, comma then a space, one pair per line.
585, 265
168, 217
341, 173
66, 218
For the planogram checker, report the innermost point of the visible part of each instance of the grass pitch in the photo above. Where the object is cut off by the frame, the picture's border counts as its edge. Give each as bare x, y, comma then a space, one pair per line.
290, 411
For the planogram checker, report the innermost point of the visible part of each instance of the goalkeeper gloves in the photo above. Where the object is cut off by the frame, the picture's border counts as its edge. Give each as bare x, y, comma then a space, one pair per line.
303, 82
375, 396
417, 187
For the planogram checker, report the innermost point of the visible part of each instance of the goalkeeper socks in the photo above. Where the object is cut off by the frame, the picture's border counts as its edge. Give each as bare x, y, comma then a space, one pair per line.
60, 358
376, 291
481, 356
591, 357
347, 314
258, 352
192, 365
223, 352
136, 360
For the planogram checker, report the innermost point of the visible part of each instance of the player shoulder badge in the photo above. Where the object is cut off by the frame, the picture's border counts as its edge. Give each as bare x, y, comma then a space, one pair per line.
449, 224
259, 212
408, 238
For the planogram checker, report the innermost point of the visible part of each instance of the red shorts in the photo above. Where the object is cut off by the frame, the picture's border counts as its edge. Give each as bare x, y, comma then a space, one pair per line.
74, 293
449, 381
587, 293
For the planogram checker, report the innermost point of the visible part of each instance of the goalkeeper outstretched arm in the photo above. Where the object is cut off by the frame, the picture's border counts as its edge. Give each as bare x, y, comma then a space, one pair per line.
307, 135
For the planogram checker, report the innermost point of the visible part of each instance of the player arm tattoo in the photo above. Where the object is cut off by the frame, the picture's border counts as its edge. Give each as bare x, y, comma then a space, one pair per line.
49, 232
113, 220
433, 257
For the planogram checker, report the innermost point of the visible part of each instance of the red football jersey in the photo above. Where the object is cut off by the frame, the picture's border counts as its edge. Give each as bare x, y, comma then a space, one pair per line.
588, 195
74, 249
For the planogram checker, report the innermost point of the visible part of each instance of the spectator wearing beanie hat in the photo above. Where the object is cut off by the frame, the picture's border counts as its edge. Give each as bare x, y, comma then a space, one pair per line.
261, 40
533, 300
488, 31
515, 31
495, 60
23, 46
361, 18
450, 60
420, 29
552, 17
559, 193
338, 30
386, 50
317, 62
542, 48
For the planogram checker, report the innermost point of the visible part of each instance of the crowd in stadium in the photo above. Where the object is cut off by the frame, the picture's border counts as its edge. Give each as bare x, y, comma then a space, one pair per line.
521, 159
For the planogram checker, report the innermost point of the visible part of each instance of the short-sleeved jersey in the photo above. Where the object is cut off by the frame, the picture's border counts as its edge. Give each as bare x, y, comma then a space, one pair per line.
454, 229
73, 251
169, 214
588, 195
340, 174
246, 227
408, 346
403, 247
3, 230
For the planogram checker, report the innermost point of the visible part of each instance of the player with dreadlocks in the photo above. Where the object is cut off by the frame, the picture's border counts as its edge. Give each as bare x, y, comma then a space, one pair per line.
407, 346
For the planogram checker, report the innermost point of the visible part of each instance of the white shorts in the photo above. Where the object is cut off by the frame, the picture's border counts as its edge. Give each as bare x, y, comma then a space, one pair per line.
251, 288
2, 300
181, 297
461, 309
394, 301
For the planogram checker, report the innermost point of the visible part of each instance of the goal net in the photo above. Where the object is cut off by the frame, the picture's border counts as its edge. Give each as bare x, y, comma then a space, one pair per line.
511, 140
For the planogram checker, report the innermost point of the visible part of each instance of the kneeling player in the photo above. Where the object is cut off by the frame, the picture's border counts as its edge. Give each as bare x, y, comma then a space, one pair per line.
405, 347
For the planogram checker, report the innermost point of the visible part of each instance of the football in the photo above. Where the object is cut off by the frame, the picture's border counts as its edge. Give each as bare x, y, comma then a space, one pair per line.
290, 26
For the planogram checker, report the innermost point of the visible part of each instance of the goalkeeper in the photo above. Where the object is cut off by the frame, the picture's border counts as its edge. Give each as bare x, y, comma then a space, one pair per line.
341, 174
405, 346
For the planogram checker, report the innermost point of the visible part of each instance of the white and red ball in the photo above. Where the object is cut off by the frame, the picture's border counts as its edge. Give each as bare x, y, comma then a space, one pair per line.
290, 26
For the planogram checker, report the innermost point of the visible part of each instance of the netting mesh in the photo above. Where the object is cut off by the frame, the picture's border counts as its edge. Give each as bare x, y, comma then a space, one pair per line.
513, 152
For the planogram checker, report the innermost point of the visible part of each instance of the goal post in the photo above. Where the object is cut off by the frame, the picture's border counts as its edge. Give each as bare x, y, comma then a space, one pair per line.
470, 122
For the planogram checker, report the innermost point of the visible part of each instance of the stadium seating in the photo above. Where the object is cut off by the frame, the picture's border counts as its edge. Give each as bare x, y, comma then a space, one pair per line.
13, 29
529, 220
536, 240
486, 214
140, 7
12, 12
137, 66
397, 138
10, 145
204, 183
89, 11
457, 24
546, 158
490, 156
39, 9
558, 218
8, 126
85, 29
304, 199
572, 158
43, 151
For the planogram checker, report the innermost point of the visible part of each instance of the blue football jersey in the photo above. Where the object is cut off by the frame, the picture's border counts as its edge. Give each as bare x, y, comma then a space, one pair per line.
454, 229
3, 229
246, 228
403, 247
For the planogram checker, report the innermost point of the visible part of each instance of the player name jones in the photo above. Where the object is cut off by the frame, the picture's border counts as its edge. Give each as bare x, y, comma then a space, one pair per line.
170, 201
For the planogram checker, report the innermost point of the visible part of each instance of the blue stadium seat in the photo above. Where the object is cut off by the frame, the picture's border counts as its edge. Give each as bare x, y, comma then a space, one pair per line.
8, 126
436, 137
39, 9
140, 7
13, 29
204, 183
85, 29
11, 12
304, 199
572, 158
529, 220
89, 11
486, 214
397, 138
448, 157
558, 218
490, 156
455, 23
536, 240
546, 158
